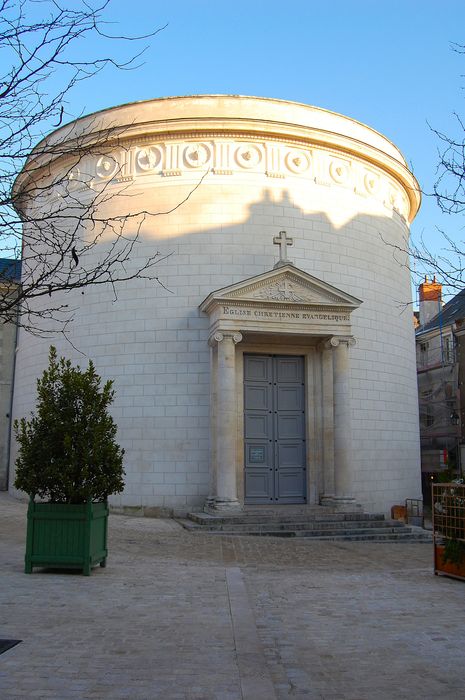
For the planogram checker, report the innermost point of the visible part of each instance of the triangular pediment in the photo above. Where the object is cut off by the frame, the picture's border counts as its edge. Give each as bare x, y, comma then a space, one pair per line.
286, 285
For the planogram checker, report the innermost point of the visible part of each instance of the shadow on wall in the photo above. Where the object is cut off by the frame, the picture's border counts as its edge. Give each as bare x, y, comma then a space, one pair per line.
146, 337
363, 254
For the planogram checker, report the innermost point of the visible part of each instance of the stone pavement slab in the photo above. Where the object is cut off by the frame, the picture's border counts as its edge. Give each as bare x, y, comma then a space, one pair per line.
256, 683
182, 616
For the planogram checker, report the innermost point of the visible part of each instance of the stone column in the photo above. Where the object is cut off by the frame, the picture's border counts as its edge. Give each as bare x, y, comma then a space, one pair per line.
343, 471
327, 389
225, 422
213, 421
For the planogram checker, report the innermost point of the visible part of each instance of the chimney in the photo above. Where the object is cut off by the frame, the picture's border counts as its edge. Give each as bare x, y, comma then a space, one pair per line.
430, 300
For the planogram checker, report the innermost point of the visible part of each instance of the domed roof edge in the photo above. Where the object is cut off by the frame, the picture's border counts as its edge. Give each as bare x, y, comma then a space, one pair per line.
276, 100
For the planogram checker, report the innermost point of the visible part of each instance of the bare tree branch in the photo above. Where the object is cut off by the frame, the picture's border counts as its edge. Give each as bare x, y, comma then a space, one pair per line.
57, 211
448, 264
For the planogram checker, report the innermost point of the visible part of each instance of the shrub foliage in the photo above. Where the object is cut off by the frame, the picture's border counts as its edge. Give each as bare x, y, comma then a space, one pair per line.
67, 450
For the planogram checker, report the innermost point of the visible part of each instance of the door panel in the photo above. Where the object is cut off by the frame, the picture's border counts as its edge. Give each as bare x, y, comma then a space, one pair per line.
289, 369
258, 485
290, 485
291, 455
257, 398
289, 427
274, 429
290, 398
257, 367
257, 427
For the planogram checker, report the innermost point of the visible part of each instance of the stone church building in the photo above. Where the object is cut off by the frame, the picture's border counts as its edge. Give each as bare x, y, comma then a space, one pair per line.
275, 364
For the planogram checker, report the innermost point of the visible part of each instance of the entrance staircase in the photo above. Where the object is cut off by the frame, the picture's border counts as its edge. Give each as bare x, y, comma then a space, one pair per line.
315, 522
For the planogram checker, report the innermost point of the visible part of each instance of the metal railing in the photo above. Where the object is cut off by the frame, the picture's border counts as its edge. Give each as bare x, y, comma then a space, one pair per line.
449, 511
414, 511
435, 357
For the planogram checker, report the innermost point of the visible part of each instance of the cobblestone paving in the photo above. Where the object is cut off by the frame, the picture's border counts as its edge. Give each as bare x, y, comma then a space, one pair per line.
335, 621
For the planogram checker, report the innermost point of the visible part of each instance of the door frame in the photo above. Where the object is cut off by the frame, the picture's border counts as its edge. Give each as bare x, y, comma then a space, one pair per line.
273, 425
313, 413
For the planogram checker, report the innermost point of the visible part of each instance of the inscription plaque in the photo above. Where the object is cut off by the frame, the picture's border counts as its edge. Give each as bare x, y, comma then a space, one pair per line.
257, 455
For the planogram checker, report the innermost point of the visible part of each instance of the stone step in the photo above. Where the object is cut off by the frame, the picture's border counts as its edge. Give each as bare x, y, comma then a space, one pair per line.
397, 536
291, 510
312, 532
207, 519
281, 526
317, 525
394, 534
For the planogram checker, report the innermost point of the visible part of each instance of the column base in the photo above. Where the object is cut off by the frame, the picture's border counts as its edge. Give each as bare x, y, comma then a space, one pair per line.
344, 505
216, 505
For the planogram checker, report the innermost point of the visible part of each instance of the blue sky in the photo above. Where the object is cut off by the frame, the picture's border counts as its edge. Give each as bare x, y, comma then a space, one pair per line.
387, 64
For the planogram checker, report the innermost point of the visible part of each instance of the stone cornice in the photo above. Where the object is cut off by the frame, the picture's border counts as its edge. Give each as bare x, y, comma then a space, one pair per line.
339, 151
203, 109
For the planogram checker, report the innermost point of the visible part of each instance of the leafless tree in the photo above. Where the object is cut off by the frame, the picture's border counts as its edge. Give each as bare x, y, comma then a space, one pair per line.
448, 264
58, 215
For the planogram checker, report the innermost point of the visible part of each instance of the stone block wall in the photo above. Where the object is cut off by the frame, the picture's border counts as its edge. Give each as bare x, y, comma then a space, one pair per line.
345, 213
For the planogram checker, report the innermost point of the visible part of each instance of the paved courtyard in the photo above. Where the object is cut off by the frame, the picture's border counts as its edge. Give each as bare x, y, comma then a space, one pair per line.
180, 616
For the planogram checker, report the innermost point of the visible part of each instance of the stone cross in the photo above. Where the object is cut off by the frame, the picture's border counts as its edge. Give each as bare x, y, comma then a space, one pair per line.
283, 241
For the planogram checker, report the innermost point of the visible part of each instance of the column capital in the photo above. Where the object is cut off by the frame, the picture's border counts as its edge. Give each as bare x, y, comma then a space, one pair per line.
219, 336
337, 340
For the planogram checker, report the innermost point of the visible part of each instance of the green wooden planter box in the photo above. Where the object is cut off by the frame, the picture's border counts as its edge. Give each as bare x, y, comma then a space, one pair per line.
66, 536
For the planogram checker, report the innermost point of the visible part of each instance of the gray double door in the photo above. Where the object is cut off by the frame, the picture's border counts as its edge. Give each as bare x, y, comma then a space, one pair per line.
274, 429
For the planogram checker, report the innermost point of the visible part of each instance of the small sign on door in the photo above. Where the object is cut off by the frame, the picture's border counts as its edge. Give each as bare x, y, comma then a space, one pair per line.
257, 455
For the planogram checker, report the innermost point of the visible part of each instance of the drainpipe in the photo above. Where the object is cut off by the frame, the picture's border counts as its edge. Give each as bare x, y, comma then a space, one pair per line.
10, 415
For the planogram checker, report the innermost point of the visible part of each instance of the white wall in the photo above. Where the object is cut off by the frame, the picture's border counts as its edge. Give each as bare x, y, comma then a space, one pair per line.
153, 342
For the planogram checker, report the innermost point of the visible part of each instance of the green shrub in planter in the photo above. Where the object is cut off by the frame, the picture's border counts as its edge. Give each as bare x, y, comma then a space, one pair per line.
68, 455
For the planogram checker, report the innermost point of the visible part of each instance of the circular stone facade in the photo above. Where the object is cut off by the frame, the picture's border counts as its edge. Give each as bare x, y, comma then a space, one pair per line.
226, 174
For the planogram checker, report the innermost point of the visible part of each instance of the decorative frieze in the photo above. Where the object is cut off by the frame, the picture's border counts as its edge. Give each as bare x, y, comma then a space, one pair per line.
371, 182
233, 156
149, 159
273, 160
339, 171
74, 180
280, 291
106, 167
222, 162
197, 155
248, 156
298, 161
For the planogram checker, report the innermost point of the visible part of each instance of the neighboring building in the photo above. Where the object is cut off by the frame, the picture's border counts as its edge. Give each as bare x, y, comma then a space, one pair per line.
440, 345
10, 275
252, 378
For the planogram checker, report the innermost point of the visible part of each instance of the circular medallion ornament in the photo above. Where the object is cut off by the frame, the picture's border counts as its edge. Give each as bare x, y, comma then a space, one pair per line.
404, 206
248, 156
393, 199
371, 183
74, 179
106, 167
339, 171
196, 155
148, 158
297, 161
